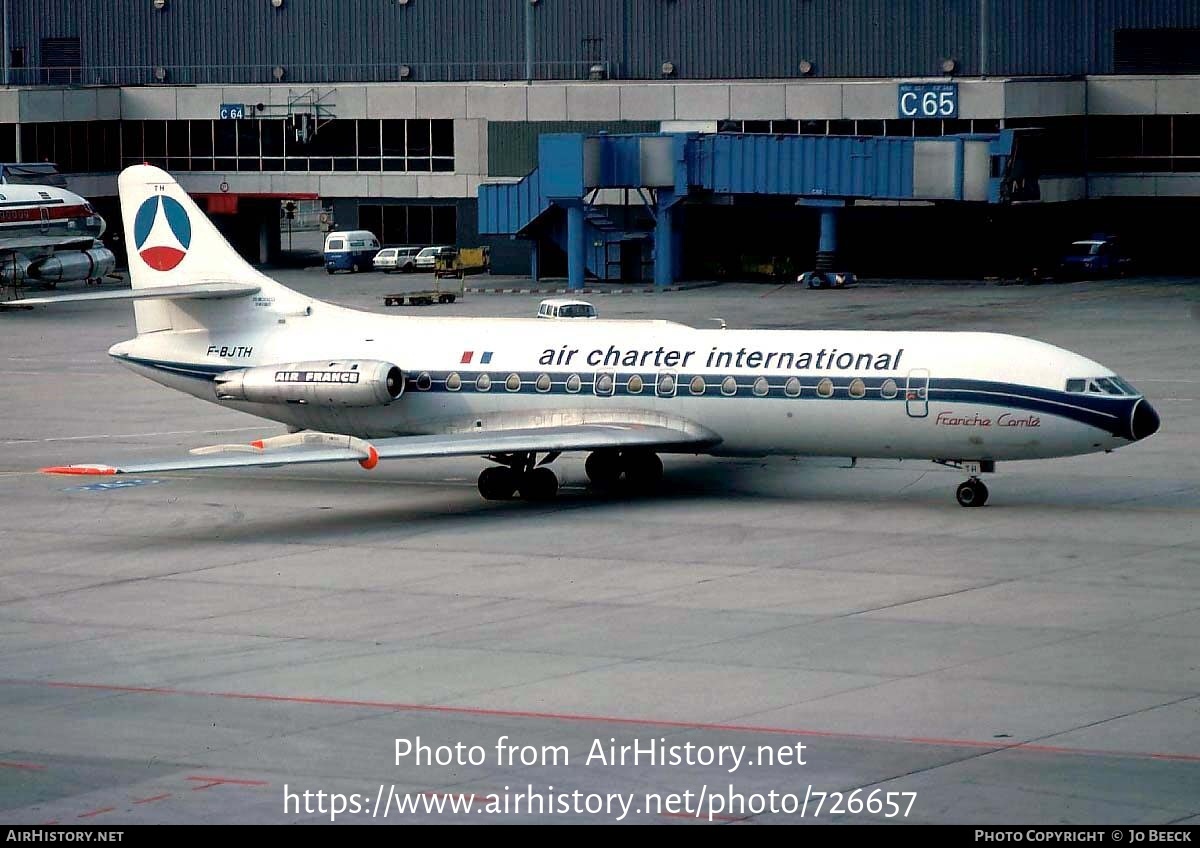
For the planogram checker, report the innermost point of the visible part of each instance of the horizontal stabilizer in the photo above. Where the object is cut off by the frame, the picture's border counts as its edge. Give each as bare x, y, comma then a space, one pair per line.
191, 291
310, 447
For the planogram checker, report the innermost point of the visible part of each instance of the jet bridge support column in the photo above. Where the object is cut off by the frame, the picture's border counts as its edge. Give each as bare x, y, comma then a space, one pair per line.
666, 265
827, 246
576, 247
535, 263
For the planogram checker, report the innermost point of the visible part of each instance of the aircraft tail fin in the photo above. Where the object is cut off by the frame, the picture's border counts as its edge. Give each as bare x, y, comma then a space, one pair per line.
171, 242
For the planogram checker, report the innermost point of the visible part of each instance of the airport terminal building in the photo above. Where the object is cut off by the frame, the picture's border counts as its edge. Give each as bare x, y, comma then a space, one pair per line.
394, 113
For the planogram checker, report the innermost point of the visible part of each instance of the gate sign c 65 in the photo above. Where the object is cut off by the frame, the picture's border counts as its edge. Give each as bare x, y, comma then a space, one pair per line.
928, 100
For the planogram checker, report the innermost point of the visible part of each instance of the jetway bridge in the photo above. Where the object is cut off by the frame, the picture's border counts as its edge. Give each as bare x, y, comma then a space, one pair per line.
568, 199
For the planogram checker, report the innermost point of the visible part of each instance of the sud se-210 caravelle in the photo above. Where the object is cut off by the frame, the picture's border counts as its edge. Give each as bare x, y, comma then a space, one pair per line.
358, 386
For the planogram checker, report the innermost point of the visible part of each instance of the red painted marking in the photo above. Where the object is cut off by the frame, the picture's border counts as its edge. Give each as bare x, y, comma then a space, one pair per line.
372, 459
258, 443
162, 258
601, 719
152, 798
79, 469
98, 812
704, 817
24, 766
466, 357
210, 782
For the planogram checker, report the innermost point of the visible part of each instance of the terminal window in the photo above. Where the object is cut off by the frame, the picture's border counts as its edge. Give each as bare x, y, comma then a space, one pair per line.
412, 145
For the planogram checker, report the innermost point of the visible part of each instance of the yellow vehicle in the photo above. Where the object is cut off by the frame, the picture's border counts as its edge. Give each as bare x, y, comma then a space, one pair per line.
461, 262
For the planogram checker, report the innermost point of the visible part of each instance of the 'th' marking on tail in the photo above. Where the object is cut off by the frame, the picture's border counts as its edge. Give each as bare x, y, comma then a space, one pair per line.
161, 255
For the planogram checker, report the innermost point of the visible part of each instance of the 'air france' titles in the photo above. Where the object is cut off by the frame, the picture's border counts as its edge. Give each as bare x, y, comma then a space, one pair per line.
316, 376
742, 358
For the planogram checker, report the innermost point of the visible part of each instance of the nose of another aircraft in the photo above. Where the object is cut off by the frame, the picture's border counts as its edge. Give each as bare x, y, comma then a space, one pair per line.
1145, 421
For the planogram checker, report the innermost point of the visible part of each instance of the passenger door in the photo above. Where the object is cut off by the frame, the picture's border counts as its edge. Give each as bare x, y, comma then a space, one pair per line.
916, 393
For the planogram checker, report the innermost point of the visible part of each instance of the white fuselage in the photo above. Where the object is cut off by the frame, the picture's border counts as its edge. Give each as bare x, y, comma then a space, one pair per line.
929, 395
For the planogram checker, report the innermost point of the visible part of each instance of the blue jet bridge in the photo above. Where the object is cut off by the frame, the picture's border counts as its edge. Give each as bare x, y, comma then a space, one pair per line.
558, 200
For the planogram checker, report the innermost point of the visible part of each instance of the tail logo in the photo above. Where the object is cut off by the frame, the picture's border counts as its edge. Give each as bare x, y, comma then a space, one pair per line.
161, 254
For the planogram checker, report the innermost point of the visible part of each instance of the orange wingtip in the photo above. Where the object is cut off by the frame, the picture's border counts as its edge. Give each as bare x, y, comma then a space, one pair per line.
372, 459
79, 469
258, 443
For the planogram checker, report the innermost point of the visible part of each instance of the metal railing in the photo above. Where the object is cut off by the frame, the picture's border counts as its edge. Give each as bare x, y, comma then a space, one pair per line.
120, 75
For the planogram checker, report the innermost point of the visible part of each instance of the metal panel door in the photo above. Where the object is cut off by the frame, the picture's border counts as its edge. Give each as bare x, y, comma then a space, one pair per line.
916, 393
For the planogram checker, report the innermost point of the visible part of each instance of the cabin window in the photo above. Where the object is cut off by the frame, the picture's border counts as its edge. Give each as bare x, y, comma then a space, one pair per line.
666, 385
1077, 385
483, 383
761, 387
1126, 387
634, 385
543, 383
729, 386
1108, 386
889, 389
337, 244
604, 384
424, 382
453, 382
696, 386
513, 383
858, 388
825, 388
573, 383
792, 387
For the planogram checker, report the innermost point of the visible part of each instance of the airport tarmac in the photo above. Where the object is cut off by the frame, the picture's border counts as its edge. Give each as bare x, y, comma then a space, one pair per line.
207, 647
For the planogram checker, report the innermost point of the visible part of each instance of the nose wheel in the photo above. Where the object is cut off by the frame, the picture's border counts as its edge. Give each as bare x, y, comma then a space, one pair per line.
972, 493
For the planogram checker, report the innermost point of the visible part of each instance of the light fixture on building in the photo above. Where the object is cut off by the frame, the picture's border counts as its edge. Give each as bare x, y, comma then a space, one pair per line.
276, 3
160, 73
277, 72
806, 67
402, 2
949, 66
597, 72
668, 68
404, 71
160, 4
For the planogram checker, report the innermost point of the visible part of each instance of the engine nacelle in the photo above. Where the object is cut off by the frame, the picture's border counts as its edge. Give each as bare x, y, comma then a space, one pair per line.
322, 383
73, 265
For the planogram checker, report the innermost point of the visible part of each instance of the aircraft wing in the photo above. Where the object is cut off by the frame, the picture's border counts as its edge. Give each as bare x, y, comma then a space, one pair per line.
310, 447
9, 245
191, 291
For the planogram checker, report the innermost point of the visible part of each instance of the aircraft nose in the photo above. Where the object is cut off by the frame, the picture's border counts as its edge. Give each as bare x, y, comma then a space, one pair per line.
1145, 421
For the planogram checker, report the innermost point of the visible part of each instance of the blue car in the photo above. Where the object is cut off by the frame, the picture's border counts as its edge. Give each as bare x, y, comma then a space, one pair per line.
1099, 256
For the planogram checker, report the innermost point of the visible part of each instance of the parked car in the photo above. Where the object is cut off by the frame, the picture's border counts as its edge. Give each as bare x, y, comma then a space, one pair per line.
425, 259
561, 307
350, 250
1099, 256
401, 259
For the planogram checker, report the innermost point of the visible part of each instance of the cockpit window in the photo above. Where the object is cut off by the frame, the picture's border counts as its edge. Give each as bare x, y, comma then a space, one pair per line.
1128, 389
1113, 385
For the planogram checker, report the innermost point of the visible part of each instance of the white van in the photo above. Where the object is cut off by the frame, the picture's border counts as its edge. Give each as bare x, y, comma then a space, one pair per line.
561, 307
350, 250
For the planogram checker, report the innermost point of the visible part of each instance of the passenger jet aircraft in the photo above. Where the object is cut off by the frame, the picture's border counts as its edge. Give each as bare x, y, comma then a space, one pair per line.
358, 386
49, 235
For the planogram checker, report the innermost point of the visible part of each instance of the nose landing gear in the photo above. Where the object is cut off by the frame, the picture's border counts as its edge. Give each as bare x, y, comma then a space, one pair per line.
973, 492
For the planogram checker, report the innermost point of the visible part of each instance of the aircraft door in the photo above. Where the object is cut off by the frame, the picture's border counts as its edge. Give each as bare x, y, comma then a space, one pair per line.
916, 393
44, 215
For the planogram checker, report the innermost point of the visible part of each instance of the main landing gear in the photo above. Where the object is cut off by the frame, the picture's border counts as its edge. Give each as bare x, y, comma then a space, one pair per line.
637, 470
973, 492
519, 474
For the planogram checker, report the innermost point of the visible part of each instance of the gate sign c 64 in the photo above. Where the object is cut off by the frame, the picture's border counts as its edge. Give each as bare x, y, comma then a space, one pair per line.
928, 100
233, 111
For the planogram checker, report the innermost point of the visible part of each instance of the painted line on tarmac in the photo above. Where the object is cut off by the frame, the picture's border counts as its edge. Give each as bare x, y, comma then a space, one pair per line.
446, 709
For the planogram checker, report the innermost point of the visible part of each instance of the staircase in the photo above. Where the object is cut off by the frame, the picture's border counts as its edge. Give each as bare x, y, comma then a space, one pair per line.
518, 209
